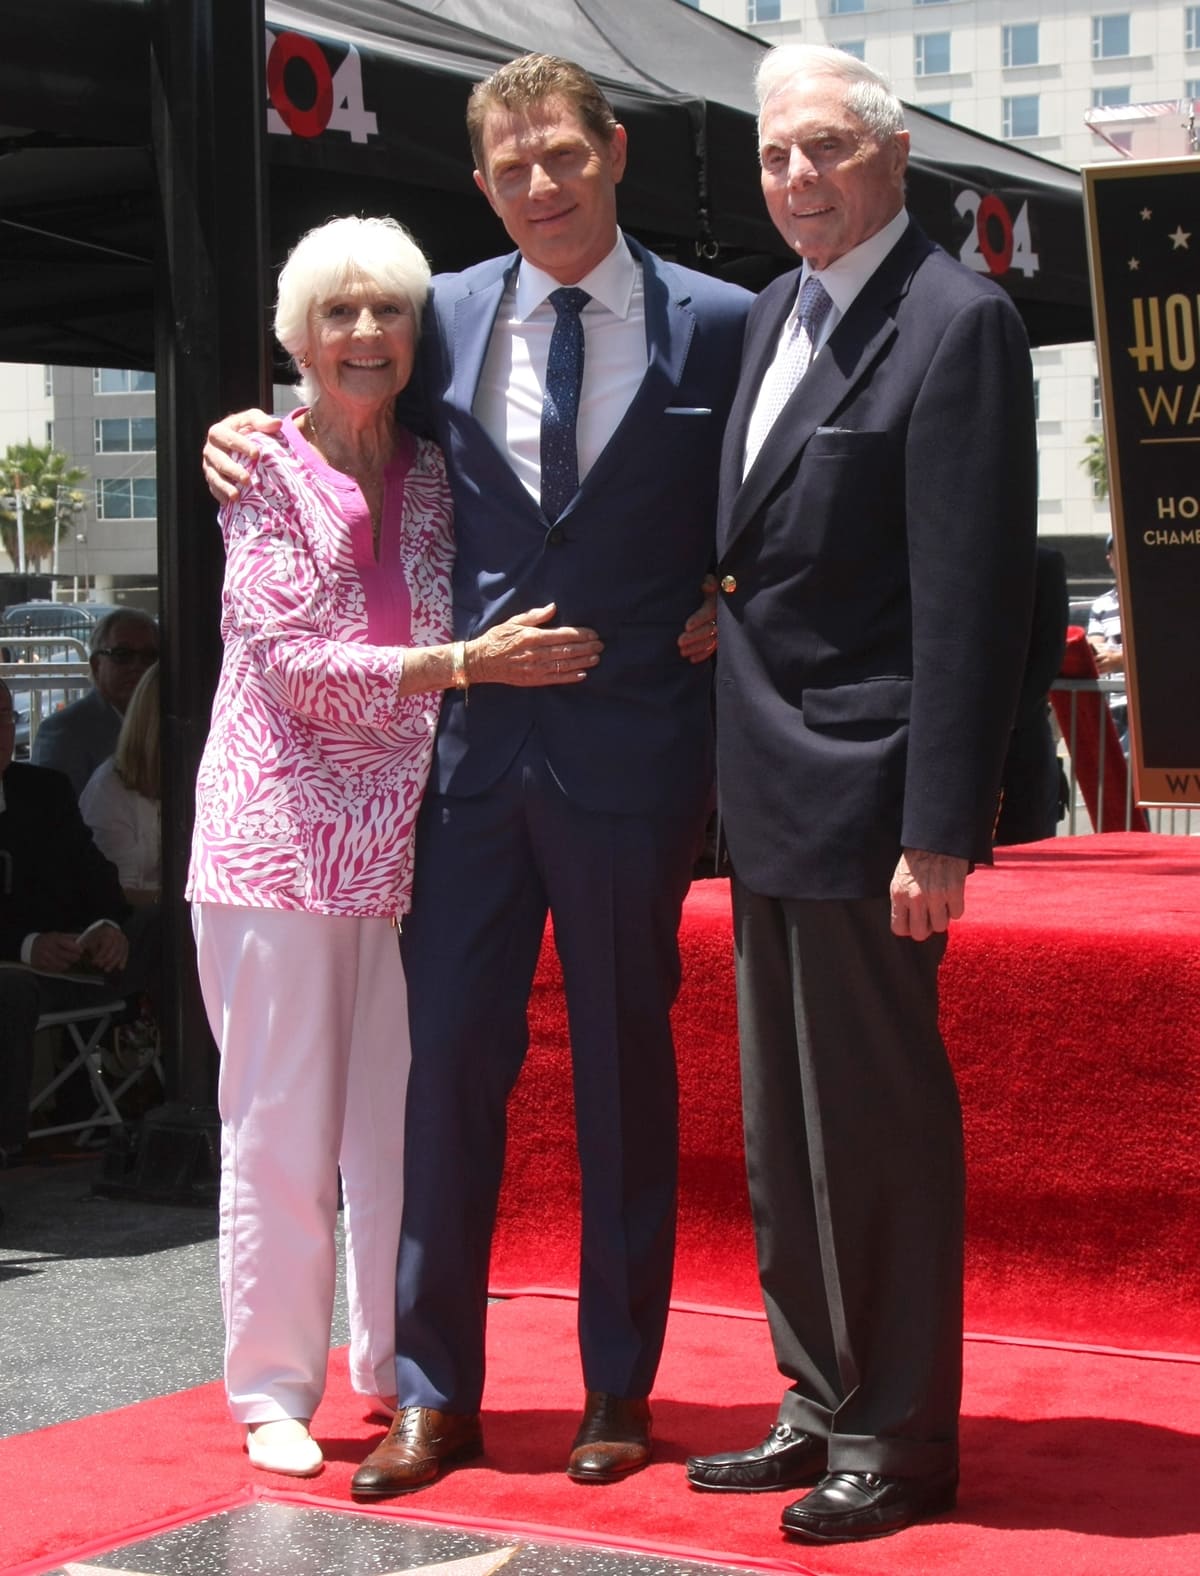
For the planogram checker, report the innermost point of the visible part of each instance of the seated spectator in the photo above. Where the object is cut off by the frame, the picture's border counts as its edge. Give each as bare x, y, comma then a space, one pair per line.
75, 740
121, 800
1034, 788
61, 912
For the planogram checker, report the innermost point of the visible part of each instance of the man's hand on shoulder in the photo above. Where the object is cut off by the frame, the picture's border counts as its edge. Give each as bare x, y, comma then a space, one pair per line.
927, 893
224, 474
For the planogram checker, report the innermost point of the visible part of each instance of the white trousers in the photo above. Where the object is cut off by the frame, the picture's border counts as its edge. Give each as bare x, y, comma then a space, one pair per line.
311, 1016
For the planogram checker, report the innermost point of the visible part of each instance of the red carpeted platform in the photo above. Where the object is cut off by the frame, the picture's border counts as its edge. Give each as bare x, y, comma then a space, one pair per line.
1071, 1008
1072, 1011
1074, 1464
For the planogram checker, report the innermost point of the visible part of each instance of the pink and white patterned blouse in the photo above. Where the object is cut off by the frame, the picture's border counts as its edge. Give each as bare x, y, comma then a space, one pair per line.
315, 766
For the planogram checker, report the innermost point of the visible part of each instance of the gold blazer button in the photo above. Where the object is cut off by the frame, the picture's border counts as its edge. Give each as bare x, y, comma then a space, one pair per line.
728, 583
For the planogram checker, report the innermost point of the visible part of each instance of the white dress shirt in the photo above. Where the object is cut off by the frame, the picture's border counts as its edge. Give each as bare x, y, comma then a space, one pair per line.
843, 280
508, 400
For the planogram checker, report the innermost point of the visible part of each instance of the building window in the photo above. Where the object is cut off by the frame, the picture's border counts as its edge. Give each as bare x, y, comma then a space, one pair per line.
931, 54
1019, 44
112, 380
1191, 88
856, 47
1191, 27
1109, 98
50, 434
1097, 408
127, 499
47, 381
1037, 399
125, 435
1019, 115
762, 11
1110, 37
942, 111
840, 7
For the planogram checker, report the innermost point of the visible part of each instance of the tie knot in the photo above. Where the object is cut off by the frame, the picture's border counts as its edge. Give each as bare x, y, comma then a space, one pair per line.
815, 301
569, 299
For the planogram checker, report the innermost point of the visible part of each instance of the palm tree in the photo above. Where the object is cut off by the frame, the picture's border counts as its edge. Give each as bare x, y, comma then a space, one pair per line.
1095, 463
48, 485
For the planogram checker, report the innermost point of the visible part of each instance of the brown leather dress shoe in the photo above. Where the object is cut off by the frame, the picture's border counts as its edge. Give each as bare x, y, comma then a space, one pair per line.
420, 1442
613, 1439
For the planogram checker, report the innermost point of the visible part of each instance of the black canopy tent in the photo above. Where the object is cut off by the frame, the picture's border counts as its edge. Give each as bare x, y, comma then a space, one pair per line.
130, 220
78, 199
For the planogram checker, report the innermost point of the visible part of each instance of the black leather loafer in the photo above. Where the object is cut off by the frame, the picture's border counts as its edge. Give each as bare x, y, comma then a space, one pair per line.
785, 1459
850, 1507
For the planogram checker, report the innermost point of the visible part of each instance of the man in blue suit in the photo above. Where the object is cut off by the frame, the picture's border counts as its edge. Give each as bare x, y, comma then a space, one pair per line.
876, 542
586, 801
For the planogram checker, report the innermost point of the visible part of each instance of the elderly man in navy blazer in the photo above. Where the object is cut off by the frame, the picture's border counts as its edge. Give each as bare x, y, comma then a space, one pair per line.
876, 551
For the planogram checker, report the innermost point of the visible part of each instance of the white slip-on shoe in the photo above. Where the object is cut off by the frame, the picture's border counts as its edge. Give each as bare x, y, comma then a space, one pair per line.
284, 1446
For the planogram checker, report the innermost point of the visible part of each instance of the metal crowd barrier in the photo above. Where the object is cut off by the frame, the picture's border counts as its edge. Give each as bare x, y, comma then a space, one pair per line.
42, 684
1170, 819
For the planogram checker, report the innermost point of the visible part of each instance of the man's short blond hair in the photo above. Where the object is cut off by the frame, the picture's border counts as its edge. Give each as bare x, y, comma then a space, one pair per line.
530, 80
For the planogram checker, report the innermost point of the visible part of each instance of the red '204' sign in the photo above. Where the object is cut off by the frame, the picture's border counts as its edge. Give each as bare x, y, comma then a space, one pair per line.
335, 100
995, 242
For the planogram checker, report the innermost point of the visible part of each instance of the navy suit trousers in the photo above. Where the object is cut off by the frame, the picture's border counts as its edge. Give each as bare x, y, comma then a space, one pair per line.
488, 869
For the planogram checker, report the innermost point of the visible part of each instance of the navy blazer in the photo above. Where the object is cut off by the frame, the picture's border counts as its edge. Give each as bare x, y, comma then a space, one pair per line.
882, 546
626, 558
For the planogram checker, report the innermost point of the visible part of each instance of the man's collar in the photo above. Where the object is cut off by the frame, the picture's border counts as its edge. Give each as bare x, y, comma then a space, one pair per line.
611, 283
844, 278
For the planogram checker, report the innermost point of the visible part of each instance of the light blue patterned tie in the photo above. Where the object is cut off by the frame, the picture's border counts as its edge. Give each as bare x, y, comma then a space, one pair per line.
790, 365
560, 405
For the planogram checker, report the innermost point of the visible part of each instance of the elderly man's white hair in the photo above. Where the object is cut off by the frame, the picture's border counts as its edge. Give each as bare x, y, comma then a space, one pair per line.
869, 94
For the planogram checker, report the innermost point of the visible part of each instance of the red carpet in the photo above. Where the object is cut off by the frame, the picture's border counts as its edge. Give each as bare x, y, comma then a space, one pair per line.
1074, 1464
1071, 1009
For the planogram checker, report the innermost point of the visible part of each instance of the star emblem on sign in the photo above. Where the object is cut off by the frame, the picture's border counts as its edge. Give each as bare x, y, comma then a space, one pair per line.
1179, 238
1134, 265
1147, 213
473, 1565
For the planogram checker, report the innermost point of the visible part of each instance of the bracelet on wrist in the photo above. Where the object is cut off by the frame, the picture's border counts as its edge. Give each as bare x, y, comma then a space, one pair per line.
458, 660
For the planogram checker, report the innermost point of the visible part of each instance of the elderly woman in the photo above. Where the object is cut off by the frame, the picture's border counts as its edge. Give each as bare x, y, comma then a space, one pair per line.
336, 623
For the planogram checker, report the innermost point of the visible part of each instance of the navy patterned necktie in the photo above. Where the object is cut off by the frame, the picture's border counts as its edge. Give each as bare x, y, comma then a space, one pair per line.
560, 404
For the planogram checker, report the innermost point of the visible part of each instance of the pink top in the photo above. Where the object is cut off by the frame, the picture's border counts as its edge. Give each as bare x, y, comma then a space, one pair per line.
315, 766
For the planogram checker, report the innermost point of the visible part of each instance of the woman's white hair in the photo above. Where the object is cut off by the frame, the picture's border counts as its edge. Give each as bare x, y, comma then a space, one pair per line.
336, 254
869, 93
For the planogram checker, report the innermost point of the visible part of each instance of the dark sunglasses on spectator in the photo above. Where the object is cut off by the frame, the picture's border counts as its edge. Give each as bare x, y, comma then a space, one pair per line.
124, 655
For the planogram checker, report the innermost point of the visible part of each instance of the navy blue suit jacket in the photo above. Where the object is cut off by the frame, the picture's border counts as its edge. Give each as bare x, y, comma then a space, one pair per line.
882, 546
626, 558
